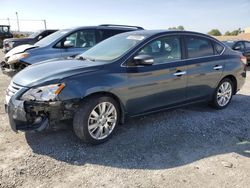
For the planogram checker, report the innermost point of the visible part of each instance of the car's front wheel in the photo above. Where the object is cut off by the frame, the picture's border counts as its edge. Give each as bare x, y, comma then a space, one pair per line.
96, 119
223, 94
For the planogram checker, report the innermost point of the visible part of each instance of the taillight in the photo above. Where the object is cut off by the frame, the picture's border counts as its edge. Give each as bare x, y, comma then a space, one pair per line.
243, 59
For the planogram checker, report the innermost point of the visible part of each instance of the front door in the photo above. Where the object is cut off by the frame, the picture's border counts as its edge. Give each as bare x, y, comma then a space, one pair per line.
80, 41
160, 85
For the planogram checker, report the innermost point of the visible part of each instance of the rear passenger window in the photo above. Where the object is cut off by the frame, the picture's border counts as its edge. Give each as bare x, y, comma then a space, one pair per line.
106, 33
218, 48
198, 47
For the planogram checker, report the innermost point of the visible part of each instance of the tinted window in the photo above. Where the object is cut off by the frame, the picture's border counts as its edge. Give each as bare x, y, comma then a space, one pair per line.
198, 47
239, 46
218, 48
165, 49
247, 44
106, 33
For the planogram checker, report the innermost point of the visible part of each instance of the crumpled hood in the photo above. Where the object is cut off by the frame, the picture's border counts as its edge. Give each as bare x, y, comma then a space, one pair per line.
43, 72
19, 49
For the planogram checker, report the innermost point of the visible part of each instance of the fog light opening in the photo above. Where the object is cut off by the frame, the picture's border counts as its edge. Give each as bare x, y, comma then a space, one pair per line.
38, 120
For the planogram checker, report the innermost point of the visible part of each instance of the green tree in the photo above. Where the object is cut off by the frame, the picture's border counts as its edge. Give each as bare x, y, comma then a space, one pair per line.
214, 32
234, 32
227, 33
180, 28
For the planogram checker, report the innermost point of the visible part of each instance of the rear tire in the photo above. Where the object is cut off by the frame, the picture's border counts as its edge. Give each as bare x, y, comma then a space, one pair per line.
96, 119
223, 94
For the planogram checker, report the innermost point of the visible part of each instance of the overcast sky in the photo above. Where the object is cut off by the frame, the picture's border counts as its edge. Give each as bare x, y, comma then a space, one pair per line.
197, 15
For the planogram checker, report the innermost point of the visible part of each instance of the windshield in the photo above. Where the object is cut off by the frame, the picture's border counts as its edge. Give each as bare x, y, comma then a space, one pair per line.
33, 35
229, 43
51, 38
113, 48
4, 29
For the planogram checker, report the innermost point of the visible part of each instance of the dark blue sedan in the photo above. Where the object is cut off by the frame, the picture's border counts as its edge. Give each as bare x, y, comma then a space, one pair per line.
128, 75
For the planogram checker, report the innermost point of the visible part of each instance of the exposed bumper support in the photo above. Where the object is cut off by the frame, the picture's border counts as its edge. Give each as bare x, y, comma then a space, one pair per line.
11, 70
35, 116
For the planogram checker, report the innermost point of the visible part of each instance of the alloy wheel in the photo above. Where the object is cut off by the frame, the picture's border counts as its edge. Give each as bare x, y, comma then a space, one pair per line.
102, 120
224, 94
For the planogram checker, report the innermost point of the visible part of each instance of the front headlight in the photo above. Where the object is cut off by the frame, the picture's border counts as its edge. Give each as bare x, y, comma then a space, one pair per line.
45, 93
15, 58
11, 44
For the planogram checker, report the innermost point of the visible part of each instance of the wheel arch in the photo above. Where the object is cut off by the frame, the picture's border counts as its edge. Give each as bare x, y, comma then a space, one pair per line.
234, 80
112, 95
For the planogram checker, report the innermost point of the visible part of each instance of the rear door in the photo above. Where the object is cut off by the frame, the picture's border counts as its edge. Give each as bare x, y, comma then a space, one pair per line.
204, 66
161, 84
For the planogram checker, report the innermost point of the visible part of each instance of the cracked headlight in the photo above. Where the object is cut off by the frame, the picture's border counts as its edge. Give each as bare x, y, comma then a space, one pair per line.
44, 93
16, 58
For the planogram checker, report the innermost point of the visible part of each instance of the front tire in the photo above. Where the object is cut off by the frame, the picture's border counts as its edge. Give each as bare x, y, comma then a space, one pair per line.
223, 94
96, 119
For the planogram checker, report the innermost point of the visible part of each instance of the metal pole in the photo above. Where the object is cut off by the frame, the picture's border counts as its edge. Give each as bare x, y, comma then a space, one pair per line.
45, 24
8, 21
18, 27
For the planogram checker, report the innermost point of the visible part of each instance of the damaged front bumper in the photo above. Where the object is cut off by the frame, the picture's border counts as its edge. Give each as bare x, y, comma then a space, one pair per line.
7, 69
12, 69
35, 116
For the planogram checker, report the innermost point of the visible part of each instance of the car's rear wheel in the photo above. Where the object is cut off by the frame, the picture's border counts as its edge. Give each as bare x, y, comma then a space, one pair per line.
223, 94
96, 119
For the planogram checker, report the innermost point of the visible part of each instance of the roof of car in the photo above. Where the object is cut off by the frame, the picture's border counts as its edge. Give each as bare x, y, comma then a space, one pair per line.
108, 26
160, 32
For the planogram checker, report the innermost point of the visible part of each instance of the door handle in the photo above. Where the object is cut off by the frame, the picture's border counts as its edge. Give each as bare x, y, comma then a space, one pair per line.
218, 67
180, 73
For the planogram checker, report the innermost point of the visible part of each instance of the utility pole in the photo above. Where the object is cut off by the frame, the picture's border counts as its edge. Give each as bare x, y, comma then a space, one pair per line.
18, 27
45, 24
8, 19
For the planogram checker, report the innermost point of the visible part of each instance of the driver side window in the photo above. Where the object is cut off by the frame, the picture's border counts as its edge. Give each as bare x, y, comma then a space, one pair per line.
80, 39
163, 50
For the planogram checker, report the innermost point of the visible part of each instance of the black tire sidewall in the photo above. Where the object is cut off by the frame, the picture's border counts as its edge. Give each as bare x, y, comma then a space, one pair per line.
80, 122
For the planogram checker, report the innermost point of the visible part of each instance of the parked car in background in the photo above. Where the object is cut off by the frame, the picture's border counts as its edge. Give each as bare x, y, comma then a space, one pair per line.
61, 44
242, 46
127, 75
4, 33
8, 44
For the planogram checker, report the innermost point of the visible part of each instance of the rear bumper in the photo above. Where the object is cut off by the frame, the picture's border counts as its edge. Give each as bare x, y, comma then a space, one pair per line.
33, 116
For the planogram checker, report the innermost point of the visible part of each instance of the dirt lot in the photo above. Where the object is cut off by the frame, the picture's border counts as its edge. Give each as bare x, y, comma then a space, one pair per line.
195, 146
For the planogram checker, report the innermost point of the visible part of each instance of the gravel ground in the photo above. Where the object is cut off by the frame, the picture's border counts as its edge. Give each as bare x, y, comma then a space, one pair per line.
195, 146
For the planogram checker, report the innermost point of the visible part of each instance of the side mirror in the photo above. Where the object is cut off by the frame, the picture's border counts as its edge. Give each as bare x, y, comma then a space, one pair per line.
68, 44
144, 60
238, 48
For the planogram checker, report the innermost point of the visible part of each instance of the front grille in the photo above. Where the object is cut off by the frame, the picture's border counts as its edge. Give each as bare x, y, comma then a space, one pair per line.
12, 89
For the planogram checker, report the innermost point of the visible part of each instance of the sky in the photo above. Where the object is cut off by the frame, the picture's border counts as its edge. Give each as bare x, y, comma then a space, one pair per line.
194, 15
